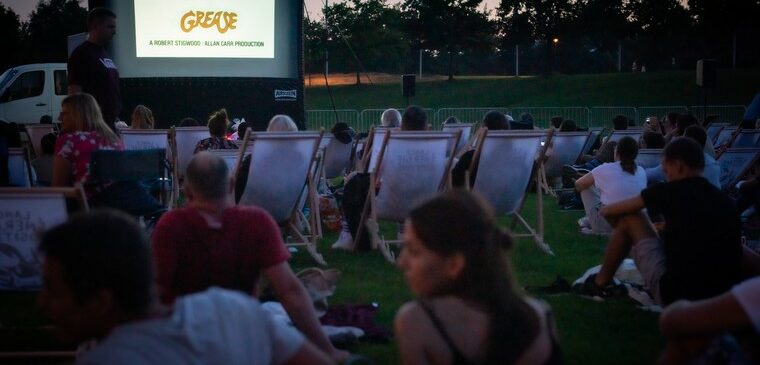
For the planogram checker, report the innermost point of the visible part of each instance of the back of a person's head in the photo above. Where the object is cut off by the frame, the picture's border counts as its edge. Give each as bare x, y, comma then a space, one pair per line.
87, 115
527, 118
142, 118
627, 149
414, 119
557, 121
684, 120
189, 122
686, 151
451, 120
46, 119
218, 122
208, 176
495, 120
282, 123
696, 133
103, 250
620, 122
97, 15
343, 132
390, 118
652, 140
568, 125
48, 143
672, 118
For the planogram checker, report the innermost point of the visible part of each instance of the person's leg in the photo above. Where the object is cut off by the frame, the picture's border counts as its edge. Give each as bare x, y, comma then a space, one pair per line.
629, 230
592, 204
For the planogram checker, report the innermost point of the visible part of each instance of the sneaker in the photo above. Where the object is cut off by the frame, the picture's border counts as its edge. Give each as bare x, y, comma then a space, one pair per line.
583, 222
587, 230
344, 242
611, 290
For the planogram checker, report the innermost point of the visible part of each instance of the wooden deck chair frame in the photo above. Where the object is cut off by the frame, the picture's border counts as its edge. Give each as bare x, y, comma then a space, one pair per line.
733, 132
594, 134
76, 193
634, 133
649, 154
309, 241
27, 165
469, 127
370, 212
716, 128
537, 234
754, 133
743, 172
544, 177
35, 132
369, 145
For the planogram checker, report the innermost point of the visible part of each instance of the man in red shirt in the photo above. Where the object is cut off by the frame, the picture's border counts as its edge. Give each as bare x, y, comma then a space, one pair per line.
213, 242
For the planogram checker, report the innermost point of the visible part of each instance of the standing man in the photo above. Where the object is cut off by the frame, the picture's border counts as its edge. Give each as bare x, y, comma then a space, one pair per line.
91, 69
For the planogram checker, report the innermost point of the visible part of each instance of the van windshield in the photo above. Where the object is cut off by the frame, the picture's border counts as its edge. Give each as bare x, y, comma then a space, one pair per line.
6, 77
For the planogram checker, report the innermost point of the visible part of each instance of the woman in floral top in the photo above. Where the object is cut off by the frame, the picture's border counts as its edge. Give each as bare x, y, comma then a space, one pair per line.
82, 131
217, 126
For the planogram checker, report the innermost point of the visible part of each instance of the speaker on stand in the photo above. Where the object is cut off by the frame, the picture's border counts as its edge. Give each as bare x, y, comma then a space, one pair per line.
707, 78
408, 87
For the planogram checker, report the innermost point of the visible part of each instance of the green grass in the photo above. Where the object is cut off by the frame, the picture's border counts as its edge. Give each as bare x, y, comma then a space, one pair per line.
625, 89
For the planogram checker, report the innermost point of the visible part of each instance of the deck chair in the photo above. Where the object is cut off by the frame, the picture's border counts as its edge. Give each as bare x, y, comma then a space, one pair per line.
145, 139
411, 166
122, 174
280, 166
506, 162
566, 149
594, 135
734, 165
648, 158
372, 147
713, 130
185, 139
336, 157
466, 129
35, 133
746, 138
725, 136
230, 158
19, 168
29, 211
617, 135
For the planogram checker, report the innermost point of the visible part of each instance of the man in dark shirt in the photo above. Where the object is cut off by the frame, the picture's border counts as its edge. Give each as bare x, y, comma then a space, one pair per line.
698, 252
91, 69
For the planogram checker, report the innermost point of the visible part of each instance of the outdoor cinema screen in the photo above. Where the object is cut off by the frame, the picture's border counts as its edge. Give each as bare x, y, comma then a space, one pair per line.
206, 38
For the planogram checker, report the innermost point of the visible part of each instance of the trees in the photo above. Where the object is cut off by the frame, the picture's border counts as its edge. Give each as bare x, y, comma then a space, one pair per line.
10, 37
48, 27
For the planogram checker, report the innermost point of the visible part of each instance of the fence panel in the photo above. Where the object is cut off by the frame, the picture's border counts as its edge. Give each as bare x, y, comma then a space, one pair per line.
316, 119
732, 114
465, 115
601, 116
542, 115
657, 111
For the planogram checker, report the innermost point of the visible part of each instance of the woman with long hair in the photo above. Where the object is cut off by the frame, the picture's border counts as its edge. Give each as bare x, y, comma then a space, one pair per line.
468, 309
610, 183
217, 128
82, 131
142, 118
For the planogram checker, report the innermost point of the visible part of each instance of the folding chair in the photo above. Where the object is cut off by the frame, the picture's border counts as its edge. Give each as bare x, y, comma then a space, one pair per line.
713, 130
128, 170
746, 138
725, 136
734, 165
566, 148
281, 163
617, 135
466, 129
336, 157
506, 163
649, 158
594, 135
19, 168
411, 166
35, 133
372, 147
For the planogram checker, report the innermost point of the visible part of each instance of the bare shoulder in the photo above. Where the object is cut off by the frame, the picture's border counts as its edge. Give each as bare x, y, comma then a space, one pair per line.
408, 315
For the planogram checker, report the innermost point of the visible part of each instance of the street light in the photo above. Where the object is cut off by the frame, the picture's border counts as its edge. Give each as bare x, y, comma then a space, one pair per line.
555, 40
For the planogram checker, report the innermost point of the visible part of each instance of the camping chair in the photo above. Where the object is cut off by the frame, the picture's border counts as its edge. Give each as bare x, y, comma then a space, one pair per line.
713, 130
735, 163
411, 166
506, 163
466, 129
19, 169
746, 138
281, 163
594, 135
616, 135
566, 149
143, 139
648, 158
120, 176
35, 133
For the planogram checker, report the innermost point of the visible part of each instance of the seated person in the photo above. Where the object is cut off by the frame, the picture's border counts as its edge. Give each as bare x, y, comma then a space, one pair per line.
142, 118
698, 253
526, 122
620, 123
711, 171
494, 121
468, 308
652, 140
282, 123
556, 121
691, 326
568, 125
217, 127
390, 118
98, 279
43, 164
610, 183
203, 244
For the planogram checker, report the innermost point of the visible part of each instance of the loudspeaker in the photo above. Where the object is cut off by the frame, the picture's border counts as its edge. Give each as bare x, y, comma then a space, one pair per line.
408, 85
707, 74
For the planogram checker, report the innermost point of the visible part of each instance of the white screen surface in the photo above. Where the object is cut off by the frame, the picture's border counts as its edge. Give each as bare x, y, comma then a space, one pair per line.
204, 28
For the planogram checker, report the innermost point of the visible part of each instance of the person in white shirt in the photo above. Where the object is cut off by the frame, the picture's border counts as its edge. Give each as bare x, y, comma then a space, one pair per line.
610, 183
98, 284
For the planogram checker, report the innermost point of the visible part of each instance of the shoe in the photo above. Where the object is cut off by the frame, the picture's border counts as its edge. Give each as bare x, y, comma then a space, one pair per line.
344, 242
611, 290
587, 231
583, 222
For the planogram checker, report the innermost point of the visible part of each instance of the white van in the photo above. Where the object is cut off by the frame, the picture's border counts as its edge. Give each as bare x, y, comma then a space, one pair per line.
28, 92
